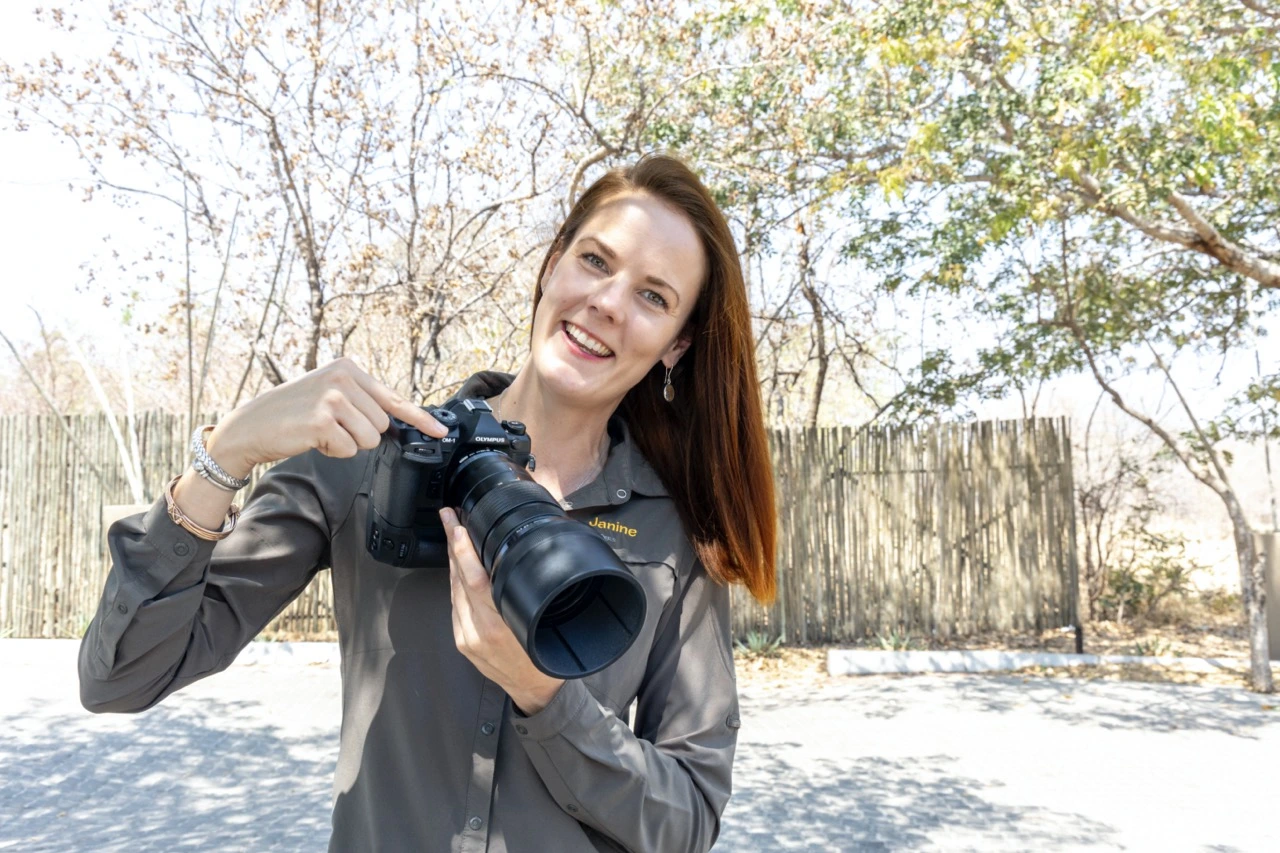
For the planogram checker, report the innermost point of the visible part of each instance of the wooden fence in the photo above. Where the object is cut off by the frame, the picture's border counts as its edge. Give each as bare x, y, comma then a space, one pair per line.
946, 530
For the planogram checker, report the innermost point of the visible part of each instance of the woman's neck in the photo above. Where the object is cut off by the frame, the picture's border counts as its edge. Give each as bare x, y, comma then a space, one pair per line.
570, 443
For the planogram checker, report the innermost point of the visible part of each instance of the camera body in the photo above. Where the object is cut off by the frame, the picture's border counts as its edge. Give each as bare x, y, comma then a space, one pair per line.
412, 474
561, 589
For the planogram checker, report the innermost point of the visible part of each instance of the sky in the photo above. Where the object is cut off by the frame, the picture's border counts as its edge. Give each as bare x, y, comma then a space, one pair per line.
47, 233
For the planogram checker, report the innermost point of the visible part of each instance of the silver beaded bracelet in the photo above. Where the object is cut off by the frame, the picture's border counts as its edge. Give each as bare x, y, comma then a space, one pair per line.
210, 470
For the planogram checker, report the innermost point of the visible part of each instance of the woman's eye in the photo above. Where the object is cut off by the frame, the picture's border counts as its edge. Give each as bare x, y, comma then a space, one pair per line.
594, 259
656, 298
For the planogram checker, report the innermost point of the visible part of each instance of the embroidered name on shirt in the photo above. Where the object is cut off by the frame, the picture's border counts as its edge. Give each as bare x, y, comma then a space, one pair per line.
612, 525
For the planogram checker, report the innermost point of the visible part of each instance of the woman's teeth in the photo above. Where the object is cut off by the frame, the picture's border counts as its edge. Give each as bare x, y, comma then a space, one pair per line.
587, 343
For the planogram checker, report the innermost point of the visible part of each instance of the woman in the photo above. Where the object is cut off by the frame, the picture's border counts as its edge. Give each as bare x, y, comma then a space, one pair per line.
670, 466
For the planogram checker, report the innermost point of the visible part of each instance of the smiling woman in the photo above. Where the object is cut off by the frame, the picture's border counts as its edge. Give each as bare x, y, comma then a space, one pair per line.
674, 251
640, 397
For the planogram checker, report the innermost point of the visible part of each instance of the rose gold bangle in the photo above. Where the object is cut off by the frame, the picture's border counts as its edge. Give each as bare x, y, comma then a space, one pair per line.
181, 519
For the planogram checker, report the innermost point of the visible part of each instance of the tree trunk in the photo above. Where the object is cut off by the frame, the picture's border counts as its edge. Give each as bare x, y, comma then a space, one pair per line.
1253, 593
819, 328
317, 320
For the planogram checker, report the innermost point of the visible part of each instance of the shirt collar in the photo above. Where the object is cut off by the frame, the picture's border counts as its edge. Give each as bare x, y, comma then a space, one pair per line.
625, 470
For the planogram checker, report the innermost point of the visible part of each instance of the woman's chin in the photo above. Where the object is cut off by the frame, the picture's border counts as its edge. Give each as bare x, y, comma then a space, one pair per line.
577, 384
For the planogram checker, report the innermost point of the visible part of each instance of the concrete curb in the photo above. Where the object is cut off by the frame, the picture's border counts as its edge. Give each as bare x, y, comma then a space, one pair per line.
871, 662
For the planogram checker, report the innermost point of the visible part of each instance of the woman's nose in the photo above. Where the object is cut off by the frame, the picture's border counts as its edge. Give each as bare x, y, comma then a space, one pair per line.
607, 297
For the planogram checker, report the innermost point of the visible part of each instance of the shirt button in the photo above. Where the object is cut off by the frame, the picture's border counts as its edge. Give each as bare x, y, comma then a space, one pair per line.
522, 730
181, 548
487, 728
571, 807
475, 823
123, 608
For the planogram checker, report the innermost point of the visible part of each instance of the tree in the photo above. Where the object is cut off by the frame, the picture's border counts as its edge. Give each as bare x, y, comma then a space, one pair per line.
324, 143
1097, 179
329, 168
739, 91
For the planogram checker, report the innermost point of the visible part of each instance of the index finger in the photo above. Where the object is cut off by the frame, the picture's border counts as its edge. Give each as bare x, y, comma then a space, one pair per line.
394, 404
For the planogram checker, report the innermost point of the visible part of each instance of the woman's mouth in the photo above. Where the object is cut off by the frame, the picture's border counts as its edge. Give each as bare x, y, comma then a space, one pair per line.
583, 343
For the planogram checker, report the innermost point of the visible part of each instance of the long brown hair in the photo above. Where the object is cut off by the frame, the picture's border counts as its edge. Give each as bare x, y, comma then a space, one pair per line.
709, 446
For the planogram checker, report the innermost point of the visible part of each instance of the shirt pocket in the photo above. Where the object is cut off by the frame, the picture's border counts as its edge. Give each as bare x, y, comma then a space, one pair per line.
617, 685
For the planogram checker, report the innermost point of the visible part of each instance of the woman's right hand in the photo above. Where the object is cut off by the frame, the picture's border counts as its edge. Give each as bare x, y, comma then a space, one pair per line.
337, 409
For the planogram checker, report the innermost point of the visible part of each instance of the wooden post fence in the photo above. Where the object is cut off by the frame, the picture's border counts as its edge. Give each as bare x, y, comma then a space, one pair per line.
943, 530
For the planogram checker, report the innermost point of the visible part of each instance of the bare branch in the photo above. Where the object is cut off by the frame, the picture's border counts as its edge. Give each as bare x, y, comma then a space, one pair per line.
1227, 253
1261, 8
1165, 231
1191, 415
58, 416
1201, 237
583, 164
213, 317
271, 369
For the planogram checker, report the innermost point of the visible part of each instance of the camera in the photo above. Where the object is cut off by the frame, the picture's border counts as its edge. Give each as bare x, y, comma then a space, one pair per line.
560, 588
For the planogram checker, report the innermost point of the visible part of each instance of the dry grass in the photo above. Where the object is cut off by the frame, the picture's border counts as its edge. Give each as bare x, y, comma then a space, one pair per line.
1209, 627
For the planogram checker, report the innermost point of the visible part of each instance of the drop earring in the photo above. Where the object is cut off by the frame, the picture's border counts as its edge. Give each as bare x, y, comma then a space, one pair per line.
668, 390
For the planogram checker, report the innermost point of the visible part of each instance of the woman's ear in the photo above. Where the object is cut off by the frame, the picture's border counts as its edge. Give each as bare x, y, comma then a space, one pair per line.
551, 268
677, 349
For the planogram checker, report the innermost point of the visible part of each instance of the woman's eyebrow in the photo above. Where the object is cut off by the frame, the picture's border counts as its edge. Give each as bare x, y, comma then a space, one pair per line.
613, 256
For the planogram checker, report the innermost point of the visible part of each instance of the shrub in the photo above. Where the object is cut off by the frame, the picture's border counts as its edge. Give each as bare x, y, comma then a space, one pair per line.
758, 645
1155, 568
897, 642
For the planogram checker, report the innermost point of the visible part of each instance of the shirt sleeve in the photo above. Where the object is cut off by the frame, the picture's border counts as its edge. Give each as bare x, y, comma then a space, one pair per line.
663, 786
177, 608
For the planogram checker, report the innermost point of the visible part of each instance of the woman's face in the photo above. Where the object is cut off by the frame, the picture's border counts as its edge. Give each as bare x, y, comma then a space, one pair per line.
615, 302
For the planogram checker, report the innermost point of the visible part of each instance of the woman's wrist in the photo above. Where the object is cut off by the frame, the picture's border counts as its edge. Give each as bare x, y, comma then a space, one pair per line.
225, 452
531, 700
201, 501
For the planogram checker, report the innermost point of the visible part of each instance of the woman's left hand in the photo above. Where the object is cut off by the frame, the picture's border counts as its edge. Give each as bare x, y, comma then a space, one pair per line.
480, 632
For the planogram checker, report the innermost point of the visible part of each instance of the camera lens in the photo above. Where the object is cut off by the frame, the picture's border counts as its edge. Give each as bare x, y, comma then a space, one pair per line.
560, 587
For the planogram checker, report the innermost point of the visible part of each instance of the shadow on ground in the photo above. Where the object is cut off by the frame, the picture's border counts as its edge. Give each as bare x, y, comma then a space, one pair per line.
226, 781
1114, 705
875, 804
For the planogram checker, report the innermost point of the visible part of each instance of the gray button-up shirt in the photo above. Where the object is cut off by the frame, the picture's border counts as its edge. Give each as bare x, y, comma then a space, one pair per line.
433, 757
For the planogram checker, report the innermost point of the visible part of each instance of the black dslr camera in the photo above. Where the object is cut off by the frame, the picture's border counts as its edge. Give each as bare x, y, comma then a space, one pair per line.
559, 586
